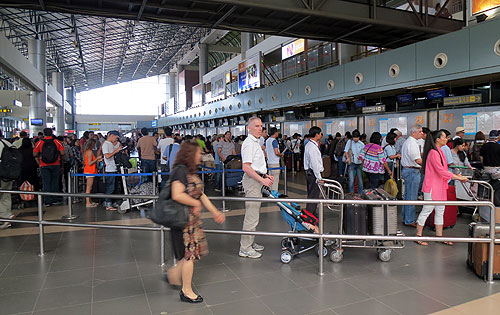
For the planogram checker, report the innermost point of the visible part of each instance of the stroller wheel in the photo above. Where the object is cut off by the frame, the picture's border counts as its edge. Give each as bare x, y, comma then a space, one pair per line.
284, 243
325, 251
286, 256
121, 211
336, 256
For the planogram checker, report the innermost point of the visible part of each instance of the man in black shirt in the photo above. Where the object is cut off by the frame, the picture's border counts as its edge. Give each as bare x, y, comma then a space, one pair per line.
490, 151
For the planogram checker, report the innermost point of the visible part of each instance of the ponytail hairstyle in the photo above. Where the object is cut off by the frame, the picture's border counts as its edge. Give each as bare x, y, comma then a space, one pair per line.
430, 144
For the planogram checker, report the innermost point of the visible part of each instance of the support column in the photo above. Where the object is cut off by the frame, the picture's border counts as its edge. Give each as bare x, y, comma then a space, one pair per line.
172, 89
60, 115
38, 103
345, 52
203, 68
246, 43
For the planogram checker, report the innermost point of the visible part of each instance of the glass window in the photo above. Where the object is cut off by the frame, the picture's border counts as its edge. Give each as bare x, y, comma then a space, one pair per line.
312, 59
325, 56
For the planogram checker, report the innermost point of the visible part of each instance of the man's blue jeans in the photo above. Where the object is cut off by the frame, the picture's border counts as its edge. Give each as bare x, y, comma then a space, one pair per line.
355, 171
218, 176
50, 181
110, 188
341, 166
411, 176
148, 166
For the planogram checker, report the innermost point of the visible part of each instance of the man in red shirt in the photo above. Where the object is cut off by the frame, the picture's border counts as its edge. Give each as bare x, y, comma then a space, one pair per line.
47, 153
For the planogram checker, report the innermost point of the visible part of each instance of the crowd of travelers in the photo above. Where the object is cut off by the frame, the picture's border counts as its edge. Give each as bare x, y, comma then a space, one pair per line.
423, 160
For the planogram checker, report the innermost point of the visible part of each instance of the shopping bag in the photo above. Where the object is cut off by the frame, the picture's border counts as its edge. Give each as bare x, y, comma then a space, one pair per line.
391, 187
27, 186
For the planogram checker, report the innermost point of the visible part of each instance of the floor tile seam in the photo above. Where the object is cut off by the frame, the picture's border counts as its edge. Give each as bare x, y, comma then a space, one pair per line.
142, 283
10, 261
60, 307
229, 302
376, 296
388, 306
93, 275
117, 298
46, 276
432, 298
349, 304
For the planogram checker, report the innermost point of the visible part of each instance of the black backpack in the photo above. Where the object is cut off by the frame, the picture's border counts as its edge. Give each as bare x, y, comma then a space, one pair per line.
50, 153
10, 162
339, 148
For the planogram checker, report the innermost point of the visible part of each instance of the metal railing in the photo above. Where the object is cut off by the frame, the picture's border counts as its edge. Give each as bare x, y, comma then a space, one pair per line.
321, 236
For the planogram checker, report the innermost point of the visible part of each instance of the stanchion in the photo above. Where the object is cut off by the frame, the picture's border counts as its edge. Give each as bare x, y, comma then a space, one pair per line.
70, 215
162, 246
155, 186
321, 245
224, 188
40, 226
286, 182
294, 167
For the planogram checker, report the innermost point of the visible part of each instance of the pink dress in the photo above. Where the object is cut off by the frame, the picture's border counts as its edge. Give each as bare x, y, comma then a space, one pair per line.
436, 175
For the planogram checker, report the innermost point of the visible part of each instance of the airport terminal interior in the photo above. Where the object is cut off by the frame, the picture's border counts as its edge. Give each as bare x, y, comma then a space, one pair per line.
321, 72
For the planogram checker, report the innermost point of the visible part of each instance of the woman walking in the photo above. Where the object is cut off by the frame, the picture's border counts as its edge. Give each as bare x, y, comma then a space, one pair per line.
435, 183
189, 244
90, 168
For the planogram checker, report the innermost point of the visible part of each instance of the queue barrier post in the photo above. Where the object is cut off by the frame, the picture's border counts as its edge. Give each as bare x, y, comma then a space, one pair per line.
286, 181
162, 246
320, 243
70, 215
40, 225
155, 185
224, 188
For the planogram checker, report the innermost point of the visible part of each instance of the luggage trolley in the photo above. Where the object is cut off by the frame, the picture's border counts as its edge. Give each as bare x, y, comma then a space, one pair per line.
138, 188
380, 223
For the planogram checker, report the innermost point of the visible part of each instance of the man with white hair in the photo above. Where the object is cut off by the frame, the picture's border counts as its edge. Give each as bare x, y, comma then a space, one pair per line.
411, 161
254, 166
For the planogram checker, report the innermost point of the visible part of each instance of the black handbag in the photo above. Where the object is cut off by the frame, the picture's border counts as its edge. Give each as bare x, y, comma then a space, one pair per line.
168, 212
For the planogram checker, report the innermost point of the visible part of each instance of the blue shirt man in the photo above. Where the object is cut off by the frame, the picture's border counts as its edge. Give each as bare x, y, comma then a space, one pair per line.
170, 155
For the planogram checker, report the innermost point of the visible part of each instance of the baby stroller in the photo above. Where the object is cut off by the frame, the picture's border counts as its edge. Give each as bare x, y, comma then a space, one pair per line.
233, 174
301, 222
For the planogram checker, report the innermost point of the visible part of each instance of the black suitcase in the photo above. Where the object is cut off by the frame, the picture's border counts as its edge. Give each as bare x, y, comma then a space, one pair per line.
355, 221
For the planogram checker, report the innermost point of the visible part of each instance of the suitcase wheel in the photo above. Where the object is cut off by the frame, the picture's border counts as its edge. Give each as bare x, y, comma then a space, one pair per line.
121, 211
286, 256
384, 255
336, 256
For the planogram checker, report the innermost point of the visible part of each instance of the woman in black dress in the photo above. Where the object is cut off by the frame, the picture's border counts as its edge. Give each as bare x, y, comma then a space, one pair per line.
189, 244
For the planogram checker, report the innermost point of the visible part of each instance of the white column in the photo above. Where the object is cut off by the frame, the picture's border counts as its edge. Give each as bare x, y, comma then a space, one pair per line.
36, 55
60, 116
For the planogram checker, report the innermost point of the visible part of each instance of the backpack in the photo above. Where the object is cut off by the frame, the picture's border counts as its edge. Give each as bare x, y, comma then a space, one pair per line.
50, 153
10, 162
339, 148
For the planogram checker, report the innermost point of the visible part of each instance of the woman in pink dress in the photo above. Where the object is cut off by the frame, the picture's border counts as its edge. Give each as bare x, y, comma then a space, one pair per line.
436, 179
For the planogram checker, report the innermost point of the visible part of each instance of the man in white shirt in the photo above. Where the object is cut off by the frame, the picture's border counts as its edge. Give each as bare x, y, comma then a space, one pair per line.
254, 166
109, 148
162, 145
313, 166
273, 156
411, 161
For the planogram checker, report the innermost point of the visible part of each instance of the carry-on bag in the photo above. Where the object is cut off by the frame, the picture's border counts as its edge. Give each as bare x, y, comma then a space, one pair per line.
477, 253
383, 219
450, 212
327, 167
355, 219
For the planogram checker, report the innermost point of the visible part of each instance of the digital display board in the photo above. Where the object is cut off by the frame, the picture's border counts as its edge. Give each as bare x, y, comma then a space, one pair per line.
436, 94
36, 122
360, 103
342, 107
404, 99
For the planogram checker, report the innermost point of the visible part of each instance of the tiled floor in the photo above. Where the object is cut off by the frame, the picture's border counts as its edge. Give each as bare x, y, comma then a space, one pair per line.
96, 271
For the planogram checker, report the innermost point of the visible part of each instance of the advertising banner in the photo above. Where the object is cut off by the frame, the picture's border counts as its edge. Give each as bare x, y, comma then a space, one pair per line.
250, 73
292, 49
484, 5
218, 83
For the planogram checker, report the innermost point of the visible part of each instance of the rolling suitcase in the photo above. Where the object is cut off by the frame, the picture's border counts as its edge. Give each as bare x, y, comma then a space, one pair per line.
400, 182
383, 218
355, 221
477, 254
450, 212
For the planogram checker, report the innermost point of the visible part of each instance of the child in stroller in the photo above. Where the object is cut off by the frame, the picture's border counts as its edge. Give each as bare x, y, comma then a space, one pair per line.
302, 222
